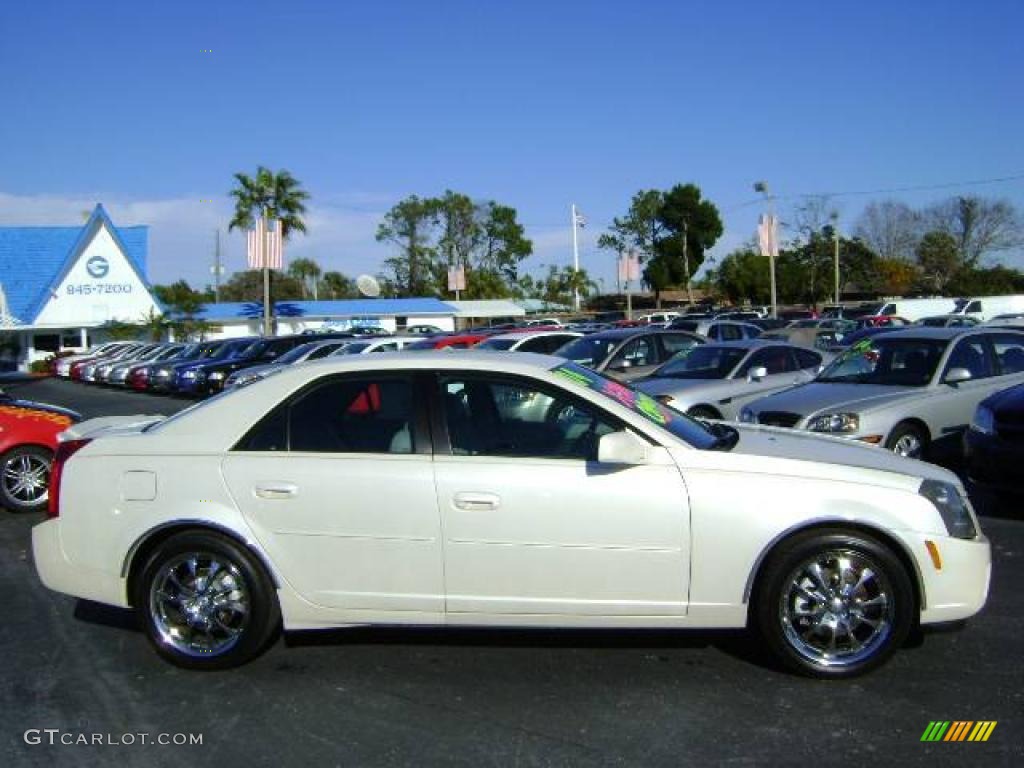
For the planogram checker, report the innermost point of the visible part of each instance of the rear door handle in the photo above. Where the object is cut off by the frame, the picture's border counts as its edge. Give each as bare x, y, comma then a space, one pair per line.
277, 491
477, 502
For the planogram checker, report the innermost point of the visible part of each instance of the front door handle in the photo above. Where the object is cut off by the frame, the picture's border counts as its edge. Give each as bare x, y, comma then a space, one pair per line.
277, 491
477, 502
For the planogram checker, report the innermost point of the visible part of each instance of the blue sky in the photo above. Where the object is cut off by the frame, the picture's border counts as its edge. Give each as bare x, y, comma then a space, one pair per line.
534, 104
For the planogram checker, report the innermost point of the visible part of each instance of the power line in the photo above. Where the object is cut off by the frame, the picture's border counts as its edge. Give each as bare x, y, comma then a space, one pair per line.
884, 191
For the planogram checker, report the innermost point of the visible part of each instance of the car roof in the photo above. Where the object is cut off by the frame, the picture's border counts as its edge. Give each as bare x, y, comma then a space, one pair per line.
623, 333
535, 334
939, 334
749, 343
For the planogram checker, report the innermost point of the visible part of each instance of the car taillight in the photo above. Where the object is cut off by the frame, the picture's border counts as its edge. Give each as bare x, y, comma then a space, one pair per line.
65, 451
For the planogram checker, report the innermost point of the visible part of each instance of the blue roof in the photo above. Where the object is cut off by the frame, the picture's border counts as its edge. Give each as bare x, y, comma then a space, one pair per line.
343, 308
33, 260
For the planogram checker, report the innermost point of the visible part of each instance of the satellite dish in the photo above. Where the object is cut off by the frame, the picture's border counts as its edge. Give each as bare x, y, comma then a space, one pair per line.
368, 286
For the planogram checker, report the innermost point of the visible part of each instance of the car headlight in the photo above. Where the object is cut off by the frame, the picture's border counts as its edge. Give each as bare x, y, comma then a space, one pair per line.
217, 375
835, 422
747, 416
188, 375
951, 506
984, 421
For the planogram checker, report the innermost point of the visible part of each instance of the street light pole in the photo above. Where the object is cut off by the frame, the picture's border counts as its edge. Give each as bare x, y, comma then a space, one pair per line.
835, 255
762, 187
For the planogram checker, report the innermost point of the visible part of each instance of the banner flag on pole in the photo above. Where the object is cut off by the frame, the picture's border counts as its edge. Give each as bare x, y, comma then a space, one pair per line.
581, 220
265, 246
768, 236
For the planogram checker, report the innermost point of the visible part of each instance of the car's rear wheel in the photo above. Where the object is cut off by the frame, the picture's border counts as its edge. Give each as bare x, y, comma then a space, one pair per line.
25, 478
907, 440
206, 602
834, 603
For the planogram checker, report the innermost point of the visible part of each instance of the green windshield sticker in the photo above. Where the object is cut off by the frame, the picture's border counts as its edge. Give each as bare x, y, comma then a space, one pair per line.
576, 377
650, 408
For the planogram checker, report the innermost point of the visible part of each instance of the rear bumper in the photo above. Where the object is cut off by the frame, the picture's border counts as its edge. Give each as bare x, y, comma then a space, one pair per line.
61, 575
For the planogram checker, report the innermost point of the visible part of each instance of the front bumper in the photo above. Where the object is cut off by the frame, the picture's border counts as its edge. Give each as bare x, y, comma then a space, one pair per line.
61, 575
960, 588
994, 463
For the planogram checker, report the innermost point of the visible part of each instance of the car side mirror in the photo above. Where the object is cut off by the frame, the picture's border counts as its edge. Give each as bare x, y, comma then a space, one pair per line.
622, 365
758, 373
622, 448
956, 375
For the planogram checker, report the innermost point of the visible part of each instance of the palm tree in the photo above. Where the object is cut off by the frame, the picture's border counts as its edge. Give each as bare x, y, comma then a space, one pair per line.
307, 272
274, 195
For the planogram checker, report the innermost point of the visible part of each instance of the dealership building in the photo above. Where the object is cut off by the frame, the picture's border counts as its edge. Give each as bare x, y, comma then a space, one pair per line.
60, 287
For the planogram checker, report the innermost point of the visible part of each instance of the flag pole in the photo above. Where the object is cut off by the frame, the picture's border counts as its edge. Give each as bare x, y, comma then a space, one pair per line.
575, 261
266, 277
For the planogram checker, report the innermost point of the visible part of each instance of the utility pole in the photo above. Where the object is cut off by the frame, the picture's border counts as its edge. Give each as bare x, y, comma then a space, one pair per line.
575, 258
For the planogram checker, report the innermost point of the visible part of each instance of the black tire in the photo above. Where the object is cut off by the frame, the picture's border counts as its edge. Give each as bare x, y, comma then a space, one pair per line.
704, 412
25, 478
203, 625
904, 437
798, 619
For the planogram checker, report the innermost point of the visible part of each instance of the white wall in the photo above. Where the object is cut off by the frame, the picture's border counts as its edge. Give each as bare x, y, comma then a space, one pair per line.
90, 297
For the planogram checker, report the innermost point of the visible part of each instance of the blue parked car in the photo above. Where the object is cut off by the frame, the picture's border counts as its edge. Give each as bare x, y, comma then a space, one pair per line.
190, 378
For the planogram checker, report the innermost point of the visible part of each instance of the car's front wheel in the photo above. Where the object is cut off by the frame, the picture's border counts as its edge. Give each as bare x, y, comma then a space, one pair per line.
907, 440
206, 602
25, 478
834, 603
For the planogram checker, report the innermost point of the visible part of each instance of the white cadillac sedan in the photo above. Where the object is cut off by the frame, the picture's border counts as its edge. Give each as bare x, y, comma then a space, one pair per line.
498, 489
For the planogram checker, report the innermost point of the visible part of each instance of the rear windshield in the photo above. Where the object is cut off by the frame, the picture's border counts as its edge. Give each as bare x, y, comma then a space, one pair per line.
589, 351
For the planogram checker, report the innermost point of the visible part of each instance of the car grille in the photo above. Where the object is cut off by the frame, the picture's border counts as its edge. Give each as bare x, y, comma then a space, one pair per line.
778, 418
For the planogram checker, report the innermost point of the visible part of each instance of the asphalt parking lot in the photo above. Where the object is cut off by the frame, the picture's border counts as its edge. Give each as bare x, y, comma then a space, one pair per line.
427, 697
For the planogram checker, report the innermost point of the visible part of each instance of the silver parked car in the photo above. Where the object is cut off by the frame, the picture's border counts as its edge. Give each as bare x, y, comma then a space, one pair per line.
913, 391
628, 353
311, 350
714, 381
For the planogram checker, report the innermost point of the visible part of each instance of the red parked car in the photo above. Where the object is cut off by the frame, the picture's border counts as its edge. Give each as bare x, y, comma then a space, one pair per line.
28, 440
454, 341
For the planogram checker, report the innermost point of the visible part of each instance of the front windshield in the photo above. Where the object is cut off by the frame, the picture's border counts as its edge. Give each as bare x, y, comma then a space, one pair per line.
679, 424
496, 345
590, 350
887, 361
702, 362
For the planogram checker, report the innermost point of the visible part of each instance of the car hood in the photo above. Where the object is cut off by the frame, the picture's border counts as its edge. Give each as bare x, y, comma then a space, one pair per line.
842, 454
684, 388
807, 399
259, 369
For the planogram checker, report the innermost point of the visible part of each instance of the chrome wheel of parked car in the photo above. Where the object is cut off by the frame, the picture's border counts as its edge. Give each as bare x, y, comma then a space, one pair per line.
837, 607
907, 440
206, 601
834, 603
25, 479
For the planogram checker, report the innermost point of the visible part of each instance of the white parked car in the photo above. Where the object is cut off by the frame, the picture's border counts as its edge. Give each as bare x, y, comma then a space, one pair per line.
382, 344
541, 342
499, 489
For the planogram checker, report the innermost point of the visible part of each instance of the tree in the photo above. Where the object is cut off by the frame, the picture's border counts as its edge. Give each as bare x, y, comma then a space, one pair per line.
690, 227
897, 276
990, 281
307, 272
504, 244
938, 259
743, 276
248, 286
561, 284
153, 324
978, 225
409, 226
274, 195
889, 228
184, 304
640, 229
335, 285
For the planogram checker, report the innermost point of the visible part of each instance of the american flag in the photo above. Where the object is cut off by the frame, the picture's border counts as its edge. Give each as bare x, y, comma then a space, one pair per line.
265, 246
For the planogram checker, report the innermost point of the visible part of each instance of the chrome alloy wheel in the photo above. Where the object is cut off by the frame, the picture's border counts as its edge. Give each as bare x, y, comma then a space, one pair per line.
908, 445
199, 604
26, 478
837, 608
